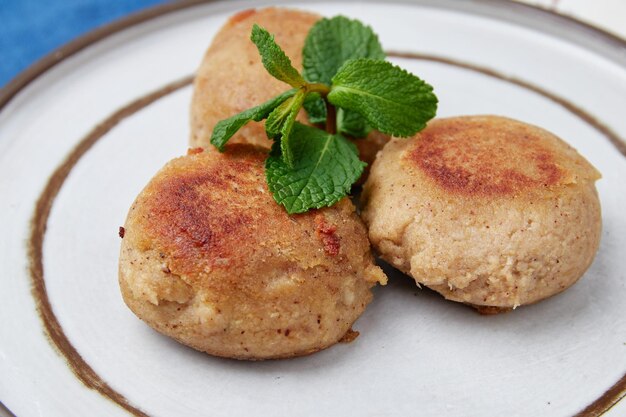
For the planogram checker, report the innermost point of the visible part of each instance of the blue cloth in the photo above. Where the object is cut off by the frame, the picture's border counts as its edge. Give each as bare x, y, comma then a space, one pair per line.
30, 29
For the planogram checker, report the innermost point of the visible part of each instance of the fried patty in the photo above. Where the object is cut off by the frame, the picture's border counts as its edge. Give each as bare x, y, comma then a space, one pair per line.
231, 77
210, 259
485, 210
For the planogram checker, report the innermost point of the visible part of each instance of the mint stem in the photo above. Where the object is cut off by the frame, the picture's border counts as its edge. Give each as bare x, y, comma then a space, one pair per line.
331, 118
320, 88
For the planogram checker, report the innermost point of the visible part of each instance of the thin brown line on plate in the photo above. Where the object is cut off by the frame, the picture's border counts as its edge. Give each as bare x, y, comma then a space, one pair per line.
79, 366
603, 404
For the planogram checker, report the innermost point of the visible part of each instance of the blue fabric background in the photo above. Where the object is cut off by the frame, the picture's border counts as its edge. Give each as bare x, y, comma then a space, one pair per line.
30, 29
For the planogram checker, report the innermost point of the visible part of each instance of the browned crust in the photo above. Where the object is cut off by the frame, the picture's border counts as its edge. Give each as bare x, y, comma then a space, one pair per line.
465, 157
189, 214
492, 156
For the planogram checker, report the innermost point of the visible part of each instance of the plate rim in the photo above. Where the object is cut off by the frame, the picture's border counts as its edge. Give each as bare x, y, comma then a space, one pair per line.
492, 8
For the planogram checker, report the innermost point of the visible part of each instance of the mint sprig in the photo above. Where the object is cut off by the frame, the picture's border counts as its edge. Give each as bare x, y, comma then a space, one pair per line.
345, 83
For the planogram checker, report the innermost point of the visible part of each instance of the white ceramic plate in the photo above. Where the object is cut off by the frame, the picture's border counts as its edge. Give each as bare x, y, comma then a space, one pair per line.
79, 141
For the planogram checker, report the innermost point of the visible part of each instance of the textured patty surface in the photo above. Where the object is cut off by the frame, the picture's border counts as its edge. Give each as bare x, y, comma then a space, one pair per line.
211, 260
485, 210
231, 77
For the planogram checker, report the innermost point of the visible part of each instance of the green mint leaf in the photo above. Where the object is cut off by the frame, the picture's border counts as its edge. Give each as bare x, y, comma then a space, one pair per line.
315, 108
280, 122
276, 119
274, 59
225, 129
285, 132
391, 99
352, 123
325, 167
331, 42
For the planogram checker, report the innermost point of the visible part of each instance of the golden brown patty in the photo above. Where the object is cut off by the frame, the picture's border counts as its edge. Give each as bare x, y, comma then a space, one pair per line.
211, 260
486, 210
231, 77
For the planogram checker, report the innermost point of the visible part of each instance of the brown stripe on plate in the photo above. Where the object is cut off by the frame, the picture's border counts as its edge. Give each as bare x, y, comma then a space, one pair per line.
603, 404
78, 365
